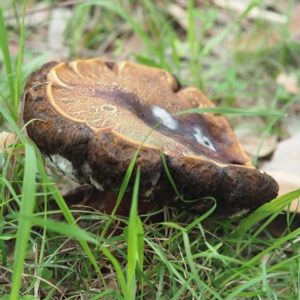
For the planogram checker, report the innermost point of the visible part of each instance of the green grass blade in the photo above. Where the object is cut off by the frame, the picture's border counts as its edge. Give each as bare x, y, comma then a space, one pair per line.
191, 31
52, 189
218, 38
7, 62
23, 233
232, 111
191, 225
267, 209
63, 228
11, 190
135, 26
20, 60
133, 237
140, 245
120, 275
249, 283
275, 245
201, 285
13, 3
175, 186
65, 210
13, 124
110, 293
173, 271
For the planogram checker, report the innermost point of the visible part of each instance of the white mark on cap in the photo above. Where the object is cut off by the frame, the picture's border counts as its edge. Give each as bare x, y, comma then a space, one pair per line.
202, 139
165, 116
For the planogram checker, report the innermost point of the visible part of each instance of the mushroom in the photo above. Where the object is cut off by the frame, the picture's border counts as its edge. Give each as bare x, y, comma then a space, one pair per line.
88, 118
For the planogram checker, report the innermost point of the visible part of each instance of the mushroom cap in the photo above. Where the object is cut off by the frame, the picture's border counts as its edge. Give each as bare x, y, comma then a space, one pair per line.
88, 118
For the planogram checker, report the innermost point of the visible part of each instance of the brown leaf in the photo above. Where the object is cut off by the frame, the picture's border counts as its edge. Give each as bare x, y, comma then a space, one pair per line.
286, 156
6, 139
179, 14
295, 22
287, 181
256, 41
250, 138
285, 167
289, 81
255, 13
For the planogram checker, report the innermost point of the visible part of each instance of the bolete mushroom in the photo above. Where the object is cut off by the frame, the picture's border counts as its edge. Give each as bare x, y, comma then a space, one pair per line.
88, 118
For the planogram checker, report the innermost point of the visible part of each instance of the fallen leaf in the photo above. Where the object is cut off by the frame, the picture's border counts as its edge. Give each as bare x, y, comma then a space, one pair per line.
133, 44
287, 181
285, 167
179, 14
289, 82
256, 41
6, 139
291, 123
255, 13
286, 156
251, 142
56, 29
250, 137
37, 15
295, 22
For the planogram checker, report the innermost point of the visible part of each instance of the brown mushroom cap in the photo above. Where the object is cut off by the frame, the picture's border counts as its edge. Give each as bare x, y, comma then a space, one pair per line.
91, 116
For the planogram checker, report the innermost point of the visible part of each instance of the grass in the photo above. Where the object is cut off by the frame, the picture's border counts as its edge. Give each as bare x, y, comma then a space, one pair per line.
184, 257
